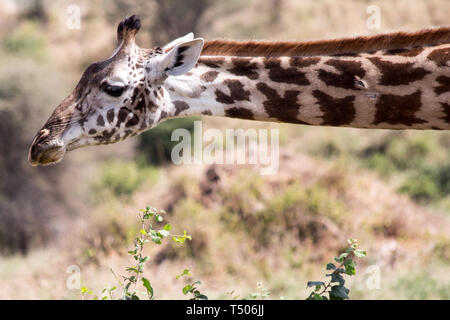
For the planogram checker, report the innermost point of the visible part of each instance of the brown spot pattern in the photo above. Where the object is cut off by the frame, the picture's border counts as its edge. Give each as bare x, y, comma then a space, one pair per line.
100, 121
396, 109
241, 113
289, 75
336, 111
110, 115
209, 76
444, 85
440, 56
284, 108
133, 121
122, 116
346, 76
237, 92
303, 62
243, 67
395, 74
446, 109
180, 106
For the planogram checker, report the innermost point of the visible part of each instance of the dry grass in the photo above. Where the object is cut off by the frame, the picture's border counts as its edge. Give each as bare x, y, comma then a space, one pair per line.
309, 208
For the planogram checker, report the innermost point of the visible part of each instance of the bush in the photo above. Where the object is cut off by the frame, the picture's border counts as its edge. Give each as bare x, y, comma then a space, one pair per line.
156, 146
25, 40
399, 152
428, 184
123, 178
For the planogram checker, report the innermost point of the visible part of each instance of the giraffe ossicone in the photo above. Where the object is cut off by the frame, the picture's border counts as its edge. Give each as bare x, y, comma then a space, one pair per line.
390, 81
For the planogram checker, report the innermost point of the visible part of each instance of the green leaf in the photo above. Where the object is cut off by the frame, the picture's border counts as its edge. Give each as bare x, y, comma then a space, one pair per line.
341, 257
164, 233
339, 292
331, 266
336, 277
197, 282
349, 249
185, 272
167, 227
360, 253
148, 286
187, 289
350, 267
317, 297
314, 283
144, 259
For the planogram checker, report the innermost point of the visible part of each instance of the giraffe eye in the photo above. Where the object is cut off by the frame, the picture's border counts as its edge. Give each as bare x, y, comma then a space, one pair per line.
114, 90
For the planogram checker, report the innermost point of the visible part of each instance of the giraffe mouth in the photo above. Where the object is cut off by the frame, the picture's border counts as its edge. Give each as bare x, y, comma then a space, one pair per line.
46, 154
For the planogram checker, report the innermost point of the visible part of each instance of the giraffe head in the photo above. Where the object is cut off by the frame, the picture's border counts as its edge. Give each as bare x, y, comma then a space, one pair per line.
116, 98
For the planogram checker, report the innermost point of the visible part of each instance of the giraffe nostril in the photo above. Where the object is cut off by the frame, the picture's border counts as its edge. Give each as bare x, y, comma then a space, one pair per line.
34, 154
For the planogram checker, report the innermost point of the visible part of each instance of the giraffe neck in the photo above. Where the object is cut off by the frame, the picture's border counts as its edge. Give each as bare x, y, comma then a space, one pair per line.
392, 89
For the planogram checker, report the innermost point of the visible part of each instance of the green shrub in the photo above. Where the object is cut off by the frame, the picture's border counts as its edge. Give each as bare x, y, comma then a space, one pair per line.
428, 183
123, 178
156, 146
421, 187
399, 152
25, 40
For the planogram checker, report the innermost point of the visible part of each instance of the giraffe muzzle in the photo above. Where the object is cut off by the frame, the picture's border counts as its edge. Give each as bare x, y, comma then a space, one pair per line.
45, 151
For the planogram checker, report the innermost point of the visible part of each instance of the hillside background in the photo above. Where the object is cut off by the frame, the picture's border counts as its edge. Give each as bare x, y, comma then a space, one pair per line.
388, 189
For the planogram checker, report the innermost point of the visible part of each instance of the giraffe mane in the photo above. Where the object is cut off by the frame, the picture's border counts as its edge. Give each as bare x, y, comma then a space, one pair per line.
388, 41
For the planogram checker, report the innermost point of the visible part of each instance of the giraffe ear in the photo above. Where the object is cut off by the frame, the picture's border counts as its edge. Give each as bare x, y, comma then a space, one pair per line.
127, 29
170, 45
182, 57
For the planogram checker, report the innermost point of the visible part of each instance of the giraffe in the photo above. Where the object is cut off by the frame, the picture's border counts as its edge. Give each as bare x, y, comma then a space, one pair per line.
388, 81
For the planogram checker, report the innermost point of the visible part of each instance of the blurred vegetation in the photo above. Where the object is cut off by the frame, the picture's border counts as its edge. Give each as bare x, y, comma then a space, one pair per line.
338, 183
120, 178
155, 146
25, 41
27, 195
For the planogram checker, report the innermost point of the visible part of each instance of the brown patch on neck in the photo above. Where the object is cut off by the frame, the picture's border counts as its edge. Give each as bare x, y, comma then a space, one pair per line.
396, 109
444, 85
243, 67
446, 108
285, 109
180, 106
209, 76
237, 92
440, 56
346, 76
395, 74
290, 75
336, 112
397, 40
241, 113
